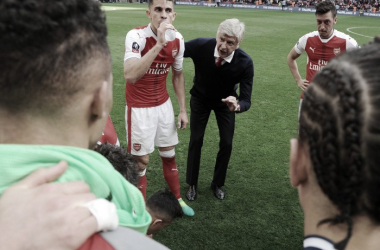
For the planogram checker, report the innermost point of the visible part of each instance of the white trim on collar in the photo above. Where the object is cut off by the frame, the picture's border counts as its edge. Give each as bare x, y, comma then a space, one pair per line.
227, 59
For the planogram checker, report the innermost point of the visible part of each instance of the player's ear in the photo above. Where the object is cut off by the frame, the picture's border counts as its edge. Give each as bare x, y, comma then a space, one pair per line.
238, 43
156, 222
174, 16
298, 163
100, 105
335, 20
147, 13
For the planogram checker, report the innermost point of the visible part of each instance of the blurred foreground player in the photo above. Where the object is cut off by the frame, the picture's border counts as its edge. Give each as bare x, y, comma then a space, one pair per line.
56, 94
335, 162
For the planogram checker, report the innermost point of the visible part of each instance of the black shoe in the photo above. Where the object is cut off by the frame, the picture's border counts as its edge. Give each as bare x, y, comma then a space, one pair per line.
191, 193
218, 192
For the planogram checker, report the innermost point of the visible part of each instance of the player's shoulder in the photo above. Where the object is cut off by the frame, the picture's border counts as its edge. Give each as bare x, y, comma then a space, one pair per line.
178, 35
243, 55
202, 41
346, 37
313, 34
140, 31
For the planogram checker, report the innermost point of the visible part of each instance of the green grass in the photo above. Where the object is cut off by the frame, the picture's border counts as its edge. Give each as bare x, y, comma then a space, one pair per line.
261, 210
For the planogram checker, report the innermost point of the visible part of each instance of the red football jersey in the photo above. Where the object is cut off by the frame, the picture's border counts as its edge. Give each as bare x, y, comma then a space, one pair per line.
109, 134
96, 242
150, 90
320, 51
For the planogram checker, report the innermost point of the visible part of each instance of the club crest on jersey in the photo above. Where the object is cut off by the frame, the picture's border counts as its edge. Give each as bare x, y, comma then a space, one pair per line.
174, 52
136, 146
135, 47
336, 51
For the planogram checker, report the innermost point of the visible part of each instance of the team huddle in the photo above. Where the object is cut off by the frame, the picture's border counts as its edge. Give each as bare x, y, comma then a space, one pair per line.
57, 68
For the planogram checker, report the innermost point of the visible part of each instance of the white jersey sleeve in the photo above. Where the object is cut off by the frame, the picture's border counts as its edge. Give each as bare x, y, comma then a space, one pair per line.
351, 43
178, 61
134, 44
301, 44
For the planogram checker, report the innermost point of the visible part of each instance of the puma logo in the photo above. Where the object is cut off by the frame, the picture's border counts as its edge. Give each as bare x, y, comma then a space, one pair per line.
312, 49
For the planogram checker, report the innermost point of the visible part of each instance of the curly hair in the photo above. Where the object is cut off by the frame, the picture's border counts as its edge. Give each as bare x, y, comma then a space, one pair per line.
122, 161
340, 123
47, 47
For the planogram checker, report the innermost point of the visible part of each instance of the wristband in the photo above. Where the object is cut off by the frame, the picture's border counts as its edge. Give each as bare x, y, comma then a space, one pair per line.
104, 213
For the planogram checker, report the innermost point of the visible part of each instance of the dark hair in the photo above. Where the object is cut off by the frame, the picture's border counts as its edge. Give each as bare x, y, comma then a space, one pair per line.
340, 123
324, 7
164, 203
122, 161
46, 48
150, 2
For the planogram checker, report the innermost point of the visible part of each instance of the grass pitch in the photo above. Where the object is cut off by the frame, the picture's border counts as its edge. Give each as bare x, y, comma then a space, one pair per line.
261, 210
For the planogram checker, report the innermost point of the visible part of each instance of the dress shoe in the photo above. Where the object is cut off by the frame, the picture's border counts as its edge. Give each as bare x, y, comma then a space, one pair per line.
218, 192
192, 193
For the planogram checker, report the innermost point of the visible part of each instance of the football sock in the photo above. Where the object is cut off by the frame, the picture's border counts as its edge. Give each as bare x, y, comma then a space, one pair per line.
185, 208
169, 168
142, 185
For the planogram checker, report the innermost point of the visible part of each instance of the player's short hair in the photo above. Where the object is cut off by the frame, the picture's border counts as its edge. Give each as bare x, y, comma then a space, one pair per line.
164, 204
150, 2
46, 50
233, 28
340, 126
122, 161
324, 7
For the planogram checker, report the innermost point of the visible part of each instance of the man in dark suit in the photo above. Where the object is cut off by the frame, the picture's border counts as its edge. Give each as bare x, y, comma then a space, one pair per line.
220, 67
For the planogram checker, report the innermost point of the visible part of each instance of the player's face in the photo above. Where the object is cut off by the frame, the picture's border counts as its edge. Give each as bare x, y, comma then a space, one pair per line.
160, 11
325, 24
226, 45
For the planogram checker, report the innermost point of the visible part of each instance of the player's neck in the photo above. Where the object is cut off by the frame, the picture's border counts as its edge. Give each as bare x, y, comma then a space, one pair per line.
28, 130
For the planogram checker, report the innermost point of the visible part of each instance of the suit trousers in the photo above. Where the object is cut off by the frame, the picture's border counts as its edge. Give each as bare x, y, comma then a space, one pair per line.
199, 116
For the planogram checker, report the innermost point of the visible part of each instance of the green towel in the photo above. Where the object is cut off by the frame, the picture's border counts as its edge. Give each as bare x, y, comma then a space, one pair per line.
17, 161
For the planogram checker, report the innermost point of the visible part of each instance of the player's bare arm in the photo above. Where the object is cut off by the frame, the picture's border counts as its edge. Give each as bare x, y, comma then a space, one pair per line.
232, 103
293, 67
136, 68
179, 88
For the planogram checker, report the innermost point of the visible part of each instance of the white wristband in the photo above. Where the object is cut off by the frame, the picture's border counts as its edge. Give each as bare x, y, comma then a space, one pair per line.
105, 214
